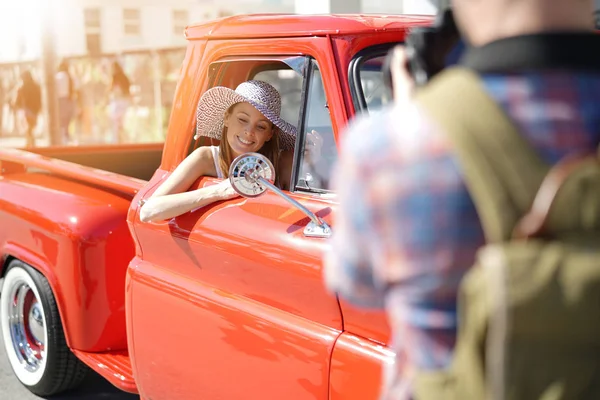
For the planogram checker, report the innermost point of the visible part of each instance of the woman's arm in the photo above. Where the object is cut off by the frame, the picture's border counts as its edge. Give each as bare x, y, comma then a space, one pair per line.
171, 199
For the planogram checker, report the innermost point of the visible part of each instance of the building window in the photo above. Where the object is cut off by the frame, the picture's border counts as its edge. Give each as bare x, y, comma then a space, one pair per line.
92, 20
93, 30
180, 21
131, 21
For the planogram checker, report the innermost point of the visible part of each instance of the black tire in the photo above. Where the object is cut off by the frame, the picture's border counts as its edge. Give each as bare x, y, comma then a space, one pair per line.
61, 370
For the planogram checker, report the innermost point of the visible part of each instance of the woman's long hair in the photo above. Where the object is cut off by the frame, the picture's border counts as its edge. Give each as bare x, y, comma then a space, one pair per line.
270, 150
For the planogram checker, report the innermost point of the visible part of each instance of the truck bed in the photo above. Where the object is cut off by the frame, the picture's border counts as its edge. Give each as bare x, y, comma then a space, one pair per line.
138, 161
64, 212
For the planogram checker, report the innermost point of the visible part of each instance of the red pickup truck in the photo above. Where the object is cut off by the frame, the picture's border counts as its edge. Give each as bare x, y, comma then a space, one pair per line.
226, 301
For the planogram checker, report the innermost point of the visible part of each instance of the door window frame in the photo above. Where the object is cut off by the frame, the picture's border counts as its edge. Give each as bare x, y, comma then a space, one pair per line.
311, 65
354, 70
216, 72
300, 135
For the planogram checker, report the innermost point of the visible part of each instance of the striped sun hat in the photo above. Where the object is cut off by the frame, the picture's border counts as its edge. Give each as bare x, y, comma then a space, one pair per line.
263, 96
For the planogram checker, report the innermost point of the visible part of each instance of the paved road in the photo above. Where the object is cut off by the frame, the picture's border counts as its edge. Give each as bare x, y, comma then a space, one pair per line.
93, 388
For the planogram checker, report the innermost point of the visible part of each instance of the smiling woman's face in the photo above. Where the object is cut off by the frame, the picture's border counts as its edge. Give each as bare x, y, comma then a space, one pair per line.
247, 129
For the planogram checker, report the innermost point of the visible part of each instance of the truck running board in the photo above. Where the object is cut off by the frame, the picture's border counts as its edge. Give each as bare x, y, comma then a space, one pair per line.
114, 367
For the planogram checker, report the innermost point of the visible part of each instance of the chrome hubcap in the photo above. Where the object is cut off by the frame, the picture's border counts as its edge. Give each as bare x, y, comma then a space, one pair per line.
26, 322
36, 323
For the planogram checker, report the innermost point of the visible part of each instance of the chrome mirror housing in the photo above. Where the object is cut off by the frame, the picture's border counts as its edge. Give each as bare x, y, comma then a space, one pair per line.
246, 172
251, 174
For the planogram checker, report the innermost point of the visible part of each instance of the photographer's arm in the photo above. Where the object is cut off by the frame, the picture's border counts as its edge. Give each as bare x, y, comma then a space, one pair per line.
171, 199
403, 85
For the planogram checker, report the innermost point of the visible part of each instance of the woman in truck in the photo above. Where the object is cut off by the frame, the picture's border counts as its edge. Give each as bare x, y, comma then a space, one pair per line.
245, 120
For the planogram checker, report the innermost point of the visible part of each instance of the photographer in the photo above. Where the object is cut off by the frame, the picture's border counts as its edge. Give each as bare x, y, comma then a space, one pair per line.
407, 230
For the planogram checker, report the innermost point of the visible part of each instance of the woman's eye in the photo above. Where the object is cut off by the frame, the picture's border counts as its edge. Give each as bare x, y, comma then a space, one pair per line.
242, 120
261, 128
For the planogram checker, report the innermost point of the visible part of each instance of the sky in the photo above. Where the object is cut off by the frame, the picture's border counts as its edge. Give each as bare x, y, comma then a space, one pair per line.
20, 25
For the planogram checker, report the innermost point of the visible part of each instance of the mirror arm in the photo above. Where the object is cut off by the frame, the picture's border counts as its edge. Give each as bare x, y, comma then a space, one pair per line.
316, 220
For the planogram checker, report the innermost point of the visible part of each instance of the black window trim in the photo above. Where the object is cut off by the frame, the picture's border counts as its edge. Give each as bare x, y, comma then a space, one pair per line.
309, 69
299, 147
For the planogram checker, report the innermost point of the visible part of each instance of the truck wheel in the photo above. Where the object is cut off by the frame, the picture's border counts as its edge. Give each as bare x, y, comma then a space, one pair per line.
33, 335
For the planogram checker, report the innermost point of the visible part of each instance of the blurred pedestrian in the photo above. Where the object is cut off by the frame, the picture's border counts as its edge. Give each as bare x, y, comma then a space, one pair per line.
3, 101
407, 230
119, 101
29, 103
66, 93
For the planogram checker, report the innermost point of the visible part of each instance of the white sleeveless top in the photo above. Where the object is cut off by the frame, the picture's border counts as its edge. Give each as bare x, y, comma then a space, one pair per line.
215, 153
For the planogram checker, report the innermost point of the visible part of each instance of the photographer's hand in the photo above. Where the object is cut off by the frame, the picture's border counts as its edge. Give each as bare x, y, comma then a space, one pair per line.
403, 83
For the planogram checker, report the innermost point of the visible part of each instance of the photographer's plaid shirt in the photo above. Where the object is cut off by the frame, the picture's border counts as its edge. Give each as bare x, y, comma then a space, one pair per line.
407, 231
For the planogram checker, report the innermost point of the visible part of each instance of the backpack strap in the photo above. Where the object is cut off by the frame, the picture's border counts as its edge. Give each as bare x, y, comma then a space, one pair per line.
502, 171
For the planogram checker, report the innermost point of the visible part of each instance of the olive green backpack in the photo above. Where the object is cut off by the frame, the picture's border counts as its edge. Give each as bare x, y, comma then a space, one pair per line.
529, 309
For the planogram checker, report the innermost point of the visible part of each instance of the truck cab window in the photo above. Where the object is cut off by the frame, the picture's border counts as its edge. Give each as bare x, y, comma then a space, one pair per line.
281, 72
371, 79
289, 84
318, 152
303, 103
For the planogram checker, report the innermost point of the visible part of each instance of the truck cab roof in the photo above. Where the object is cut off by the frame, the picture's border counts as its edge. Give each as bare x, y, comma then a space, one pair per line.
287, 25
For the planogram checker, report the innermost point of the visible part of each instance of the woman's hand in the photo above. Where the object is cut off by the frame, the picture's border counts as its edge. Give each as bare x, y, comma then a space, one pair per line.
313, 145
224, 191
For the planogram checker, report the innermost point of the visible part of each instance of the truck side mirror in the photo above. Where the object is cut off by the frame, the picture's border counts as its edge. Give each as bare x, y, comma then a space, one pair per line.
251, 174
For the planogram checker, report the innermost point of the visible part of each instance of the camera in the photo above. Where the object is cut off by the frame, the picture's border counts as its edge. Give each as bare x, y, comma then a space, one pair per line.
429, 49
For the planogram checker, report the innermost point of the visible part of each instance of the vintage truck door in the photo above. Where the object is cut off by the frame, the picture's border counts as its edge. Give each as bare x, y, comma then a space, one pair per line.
362, 350
228, 301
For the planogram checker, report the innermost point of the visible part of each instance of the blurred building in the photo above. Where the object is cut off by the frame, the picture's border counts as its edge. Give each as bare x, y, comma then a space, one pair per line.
111, 26
93, 27
364, 6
